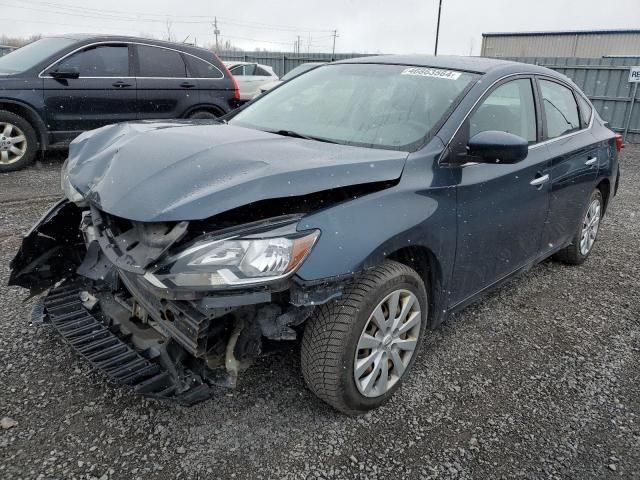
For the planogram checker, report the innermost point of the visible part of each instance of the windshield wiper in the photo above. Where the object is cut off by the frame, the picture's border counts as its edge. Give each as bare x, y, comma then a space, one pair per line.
291, 133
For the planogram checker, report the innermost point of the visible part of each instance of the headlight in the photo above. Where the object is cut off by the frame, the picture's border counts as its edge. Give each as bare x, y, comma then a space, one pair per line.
71, 193
235, 261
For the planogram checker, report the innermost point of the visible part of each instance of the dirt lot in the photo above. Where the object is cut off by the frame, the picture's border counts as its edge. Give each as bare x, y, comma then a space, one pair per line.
541, 380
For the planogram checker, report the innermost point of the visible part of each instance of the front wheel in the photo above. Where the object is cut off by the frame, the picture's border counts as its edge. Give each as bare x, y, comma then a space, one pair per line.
357, 350
585, 236
18, 142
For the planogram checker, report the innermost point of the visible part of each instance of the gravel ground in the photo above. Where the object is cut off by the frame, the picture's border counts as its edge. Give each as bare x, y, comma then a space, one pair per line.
540, 380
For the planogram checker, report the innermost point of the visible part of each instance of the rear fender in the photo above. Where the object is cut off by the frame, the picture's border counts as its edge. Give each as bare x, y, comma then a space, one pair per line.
50, 251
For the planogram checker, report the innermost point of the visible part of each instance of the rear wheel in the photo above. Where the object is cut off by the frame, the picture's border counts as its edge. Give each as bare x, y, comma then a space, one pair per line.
357, 350
18, 142
586, 234
203, 114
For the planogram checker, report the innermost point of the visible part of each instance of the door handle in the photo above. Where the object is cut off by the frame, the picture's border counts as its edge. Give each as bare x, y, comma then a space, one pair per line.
536, 182
187, 85
591, 161
121, 84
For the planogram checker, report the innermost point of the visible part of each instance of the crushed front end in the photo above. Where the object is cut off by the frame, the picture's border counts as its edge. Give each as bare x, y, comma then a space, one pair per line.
169, 308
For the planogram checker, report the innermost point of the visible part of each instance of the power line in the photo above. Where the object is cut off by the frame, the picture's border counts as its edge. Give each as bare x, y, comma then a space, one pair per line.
256, 40
56, 23
91, 13
233, 37
159, 18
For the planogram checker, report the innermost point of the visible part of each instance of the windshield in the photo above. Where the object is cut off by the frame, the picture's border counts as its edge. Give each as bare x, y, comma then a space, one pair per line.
375, 105
299, 70
31, 55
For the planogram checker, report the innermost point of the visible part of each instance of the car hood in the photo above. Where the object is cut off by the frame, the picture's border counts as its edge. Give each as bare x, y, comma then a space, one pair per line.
179, 170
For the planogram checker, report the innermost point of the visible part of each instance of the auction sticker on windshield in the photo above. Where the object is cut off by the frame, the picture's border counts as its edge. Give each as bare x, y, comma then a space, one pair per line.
431, 72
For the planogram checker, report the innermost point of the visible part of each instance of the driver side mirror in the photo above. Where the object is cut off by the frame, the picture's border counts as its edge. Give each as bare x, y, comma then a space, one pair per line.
64, 72
497, 147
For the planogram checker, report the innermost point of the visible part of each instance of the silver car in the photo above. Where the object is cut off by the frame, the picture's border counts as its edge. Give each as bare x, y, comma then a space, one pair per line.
299, 70
250, 77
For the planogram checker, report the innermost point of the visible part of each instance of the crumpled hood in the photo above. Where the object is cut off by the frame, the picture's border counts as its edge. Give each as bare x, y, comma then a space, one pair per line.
178, 170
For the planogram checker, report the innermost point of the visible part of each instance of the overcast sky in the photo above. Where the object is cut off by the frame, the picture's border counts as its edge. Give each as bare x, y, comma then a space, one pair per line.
367, 26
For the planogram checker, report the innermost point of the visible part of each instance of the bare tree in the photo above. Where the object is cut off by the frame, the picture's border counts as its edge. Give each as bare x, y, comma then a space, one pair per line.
169, 33
18, 41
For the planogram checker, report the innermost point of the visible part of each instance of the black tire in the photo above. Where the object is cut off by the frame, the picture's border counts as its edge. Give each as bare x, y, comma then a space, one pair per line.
30, 144
331, 336
572, 254
203, 115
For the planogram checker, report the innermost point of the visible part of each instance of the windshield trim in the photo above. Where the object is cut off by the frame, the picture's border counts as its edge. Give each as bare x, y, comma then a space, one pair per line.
409, 148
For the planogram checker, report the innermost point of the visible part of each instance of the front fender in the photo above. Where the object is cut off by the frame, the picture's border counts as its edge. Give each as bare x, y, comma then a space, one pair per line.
50, 250
420, 211
363, 232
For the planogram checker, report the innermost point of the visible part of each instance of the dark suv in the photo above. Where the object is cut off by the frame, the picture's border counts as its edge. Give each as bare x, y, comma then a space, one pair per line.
57, 87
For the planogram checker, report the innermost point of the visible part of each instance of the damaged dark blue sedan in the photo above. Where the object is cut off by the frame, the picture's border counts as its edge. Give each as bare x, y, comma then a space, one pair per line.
355, 206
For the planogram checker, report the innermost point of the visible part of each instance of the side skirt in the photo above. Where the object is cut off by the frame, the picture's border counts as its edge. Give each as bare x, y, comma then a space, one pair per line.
476, 297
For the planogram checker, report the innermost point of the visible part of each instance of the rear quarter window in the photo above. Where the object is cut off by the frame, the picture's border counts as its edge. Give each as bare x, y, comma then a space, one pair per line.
585, 110
199, 68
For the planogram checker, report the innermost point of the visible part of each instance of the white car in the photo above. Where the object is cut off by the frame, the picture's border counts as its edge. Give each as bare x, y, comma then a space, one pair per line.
250, 77
299, 70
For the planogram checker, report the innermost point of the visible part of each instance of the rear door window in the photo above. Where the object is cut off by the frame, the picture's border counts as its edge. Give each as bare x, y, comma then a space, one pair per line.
509, 108
160, 63
560, 109
99, 61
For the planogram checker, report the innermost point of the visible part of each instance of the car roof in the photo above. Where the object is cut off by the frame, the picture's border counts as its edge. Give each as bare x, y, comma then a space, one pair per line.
234, 63
84, 37
480, 65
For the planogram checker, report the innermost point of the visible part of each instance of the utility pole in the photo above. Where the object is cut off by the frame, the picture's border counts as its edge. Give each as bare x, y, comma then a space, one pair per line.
438, 28
216, 32
298, 43
333, 52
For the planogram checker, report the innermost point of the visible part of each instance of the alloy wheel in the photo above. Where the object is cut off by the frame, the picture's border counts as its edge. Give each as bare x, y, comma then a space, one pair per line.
13, 143
590, 226
387, 343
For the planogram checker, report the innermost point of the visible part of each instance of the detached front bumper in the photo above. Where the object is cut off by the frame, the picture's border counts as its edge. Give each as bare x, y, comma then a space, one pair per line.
110, 348
161, 346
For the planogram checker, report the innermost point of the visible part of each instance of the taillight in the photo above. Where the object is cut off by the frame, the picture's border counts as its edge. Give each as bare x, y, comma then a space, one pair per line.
619, 144
236, 90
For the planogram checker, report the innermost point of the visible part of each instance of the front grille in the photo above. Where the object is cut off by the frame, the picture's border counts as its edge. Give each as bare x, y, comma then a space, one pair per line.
179, 318
111, 353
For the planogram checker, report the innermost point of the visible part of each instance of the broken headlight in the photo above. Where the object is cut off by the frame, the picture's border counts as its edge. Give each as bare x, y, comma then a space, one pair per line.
235, 261
69, 191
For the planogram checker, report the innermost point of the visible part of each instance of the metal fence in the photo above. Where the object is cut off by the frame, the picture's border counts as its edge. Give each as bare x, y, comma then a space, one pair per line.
283, 62
606, 82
